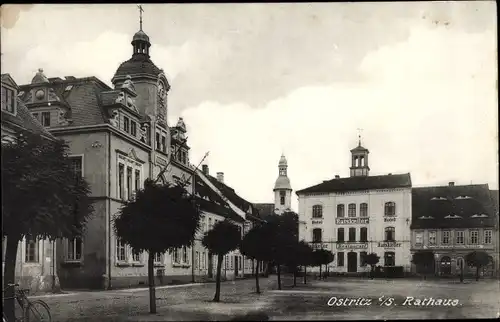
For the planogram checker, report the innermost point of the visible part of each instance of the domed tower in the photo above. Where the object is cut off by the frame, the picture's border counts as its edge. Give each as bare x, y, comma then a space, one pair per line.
359, 161
282, 188
150, 82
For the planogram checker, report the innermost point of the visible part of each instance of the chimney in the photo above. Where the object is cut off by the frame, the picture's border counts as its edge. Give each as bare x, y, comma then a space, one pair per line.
220, 177
451, 183
337, 176
205, 169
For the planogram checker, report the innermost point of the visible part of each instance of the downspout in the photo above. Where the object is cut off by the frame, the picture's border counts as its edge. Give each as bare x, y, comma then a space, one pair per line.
194, 239
53, 265
108, 213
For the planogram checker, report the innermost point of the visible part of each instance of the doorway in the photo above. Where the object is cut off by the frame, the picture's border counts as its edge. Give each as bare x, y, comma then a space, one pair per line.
352, 262
445, 265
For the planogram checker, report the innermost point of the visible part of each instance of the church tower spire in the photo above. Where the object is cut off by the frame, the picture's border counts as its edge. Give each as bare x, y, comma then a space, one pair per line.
282, 188
140, 41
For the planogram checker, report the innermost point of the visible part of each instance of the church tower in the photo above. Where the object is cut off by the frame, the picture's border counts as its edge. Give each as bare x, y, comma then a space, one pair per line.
282, 188
150, 81
359, 161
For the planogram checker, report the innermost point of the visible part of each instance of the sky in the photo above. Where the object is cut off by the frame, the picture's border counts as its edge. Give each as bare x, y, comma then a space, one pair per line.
253, 81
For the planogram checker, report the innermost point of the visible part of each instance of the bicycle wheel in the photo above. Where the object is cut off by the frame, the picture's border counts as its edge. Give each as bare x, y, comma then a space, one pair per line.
38, 311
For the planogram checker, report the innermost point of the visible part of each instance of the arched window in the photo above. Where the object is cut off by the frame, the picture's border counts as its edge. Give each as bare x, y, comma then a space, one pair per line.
317, 211
351, 210
390, 209
390, 233
340, 211
282, 197
317, 235
363, 210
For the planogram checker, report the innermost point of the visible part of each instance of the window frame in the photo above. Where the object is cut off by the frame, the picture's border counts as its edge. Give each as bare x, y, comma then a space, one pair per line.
363, 210
446, 237
432, 240
386, 256
43, 120
341, 232
133, 128
365, 237
390, 231
352, 234
13, 97
31, 244
120, 246
72, 244
488, 233
461, 234
126, 124
351, 210
362, 258
315, 240
340, 210
390, 209
340, 259
419, 235
473, 237
317, 211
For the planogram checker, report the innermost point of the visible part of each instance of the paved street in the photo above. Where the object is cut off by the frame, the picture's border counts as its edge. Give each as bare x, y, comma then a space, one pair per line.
192, 302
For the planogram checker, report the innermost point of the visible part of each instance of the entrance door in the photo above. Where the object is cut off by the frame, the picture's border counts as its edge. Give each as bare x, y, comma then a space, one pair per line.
236, 266
445, 265
352, 262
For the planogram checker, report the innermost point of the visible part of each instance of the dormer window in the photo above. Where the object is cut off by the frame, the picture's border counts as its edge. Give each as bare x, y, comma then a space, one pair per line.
438, 198
425, 217
452, 216
479, 216
68, 88
463, 197
8, 100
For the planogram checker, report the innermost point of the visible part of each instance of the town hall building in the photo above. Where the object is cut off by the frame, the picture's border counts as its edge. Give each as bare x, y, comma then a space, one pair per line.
357, 215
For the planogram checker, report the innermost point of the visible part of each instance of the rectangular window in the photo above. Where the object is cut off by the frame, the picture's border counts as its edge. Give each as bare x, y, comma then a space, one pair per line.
76, 166
340, 211
419, 238
340, 234
74, 251
133, 128
31, 250
158, 258
175, 256
487, 236
136, 256
317, 235
352, 234
363, 232
340, 259
390, 209
473, 237
121, 255
363, 210
163, 143
126, 124
390, 234
46, 118
8, 100
446, 237
432, 237
129, 182
158, 143
282, 198
137, 179
460, 237
362, 258
351, 210
184, 254
121, 170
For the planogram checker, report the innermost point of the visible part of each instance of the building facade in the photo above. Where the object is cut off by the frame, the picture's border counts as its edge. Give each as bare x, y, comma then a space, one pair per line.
452, 221
36, 261
361, 214
119, 137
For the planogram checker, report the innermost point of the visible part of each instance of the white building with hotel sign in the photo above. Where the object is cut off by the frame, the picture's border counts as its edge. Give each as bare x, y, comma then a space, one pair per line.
358, 215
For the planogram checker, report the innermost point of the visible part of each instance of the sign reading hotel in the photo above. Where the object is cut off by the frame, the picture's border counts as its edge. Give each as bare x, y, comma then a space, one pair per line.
389, 244
352, 245
351, 221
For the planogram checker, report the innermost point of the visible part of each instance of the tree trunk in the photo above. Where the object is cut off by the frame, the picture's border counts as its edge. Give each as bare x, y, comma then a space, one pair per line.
305, 274
217, 280
295, 276
151, 279
278, 271
10, 276
257, 287
253, 266
320, 277
477, 273
372, 271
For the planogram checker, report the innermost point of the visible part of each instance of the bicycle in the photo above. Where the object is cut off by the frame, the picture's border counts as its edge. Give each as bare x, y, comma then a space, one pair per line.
32, 311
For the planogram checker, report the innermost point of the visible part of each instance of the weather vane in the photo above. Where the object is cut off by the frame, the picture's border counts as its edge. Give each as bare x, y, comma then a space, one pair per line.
359, 136
140, 15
